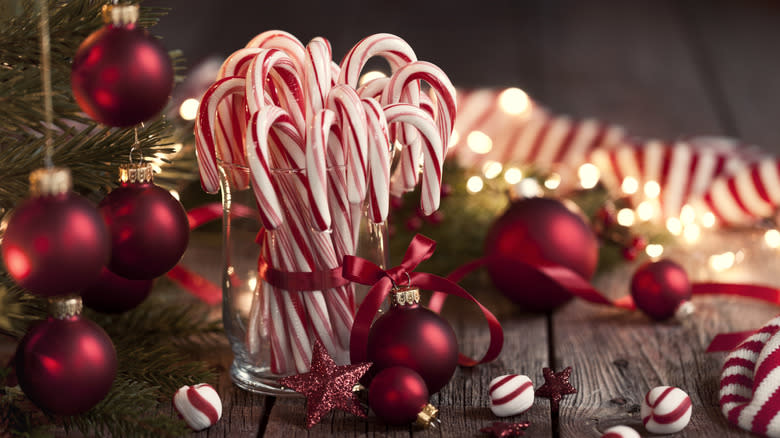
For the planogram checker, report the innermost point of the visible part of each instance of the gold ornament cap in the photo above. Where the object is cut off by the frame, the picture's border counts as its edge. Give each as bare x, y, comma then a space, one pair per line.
136, 173
65, 307
404, 296
121, 15
50, 181
429, 416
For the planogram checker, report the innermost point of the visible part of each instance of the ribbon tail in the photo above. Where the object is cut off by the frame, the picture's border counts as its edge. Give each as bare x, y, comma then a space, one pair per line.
436, 303
728, 341
358, 339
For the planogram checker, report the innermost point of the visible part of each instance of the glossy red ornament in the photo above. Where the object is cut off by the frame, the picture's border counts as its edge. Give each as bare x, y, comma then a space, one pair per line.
112, 293
121, 75
148, 227
55, 244
414, 337
66, 366
659, 288
397, 395
538, 231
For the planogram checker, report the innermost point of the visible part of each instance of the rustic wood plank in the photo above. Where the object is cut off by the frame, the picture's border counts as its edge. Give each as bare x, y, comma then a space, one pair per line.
733, 43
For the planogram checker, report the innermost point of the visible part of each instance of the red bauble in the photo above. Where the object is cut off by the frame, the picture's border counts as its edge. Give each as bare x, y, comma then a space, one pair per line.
397, 395
148, 227
659, 288
55, 244
538, 231
121, 75
66, 366
114, 294
416, 338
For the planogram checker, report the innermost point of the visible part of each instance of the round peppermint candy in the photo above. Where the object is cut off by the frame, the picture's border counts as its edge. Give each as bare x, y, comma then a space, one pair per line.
511, 394
198, 405
666, 409
620, 432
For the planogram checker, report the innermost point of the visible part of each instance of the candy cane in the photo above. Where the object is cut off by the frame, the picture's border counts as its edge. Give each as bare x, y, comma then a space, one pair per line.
316, 139
279, 67
379, 161
205, 127
316, 76
346, 103
373, 88
286, 42
433, 152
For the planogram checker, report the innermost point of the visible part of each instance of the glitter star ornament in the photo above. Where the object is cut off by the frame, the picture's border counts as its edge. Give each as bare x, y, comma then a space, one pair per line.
505, 430
327, 386
556, 385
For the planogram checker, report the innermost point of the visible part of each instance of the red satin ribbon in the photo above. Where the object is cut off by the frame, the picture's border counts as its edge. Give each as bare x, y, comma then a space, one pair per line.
580, 287
191, 281
362, 271
300, 281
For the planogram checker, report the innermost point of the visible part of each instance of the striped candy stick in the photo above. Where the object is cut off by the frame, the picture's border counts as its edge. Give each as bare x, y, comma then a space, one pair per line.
379, 161
316, 167
316, 76
205, 127
749, 387
271, 79
433, 151
284, 41
345, 102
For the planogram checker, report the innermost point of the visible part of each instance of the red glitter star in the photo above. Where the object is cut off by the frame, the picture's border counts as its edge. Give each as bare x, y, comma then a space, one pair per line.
505, 430
327, 386
556, 385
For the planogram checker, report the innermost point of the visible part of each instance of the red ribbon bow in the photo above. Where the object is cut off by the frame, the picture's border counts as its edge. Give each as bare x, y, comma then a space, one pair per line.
362, 271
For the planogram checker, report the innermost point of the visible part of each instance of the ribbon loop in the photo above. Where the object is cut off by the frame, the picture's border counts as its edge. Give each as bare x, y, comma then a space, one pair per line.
421, 248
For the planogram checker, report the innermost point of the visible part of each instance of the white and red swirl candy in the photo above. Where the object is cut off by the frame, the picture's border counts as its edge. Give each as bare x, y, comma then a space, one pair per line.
511, 394
198, 405
620, 432
665, 410
750, 382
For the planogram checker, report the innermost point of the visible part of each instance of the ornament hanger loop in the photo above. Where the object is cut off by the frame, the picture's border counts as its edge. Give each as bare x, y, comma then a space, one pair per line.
403, 286
136, 148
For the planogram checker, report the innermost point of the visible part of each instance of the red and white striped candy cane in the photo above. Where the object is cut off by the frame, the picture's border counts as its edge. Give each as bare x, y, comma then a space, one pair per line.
345, 102
316, 167
286, 91
205, 129
433, 159
749, 386
284, 41
378, 160
316, 76
373, 89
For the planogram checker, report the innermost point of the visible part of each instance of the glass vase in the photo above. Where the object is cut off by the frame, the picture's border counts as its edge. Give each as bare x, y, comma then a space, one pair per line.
272, 327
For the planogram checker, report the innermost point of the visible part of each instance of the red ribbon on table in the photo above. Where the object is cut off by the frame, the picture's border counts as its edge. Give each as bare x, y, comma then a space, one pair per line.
578, 286
362, 271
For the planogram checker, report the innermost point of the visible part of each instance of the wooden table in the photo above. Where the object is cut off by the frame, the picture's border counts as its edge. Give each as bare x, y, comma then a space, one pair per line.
662, 69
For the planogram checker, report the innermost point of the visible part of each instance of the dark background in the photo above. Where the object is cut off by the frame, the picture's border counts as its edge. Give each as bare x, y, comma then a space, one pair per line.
614, 60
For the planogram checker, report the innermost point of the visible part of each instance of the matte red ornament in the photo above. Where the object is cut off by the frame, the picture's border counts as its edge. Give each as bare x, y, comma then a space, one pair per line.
148, 227
414, 337
66, 366
659, 288
115, 294
55, 244
121, 75
397, 395
538, 231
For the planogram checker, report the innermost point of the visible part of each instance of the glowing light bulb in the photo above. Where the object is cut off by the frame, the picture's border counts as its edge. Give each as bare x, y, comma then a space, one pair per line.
708, 220
687, 214
513, 175
691, 232
454, 138
479, 142
514, 101
370, 76
474, 184
630, 185
528, 188
252, 283
674, 226
189, 109
589, 175
652, 189
625, 217
553, 181
772, 238
492, 169
654, 250
645, 210
721, 262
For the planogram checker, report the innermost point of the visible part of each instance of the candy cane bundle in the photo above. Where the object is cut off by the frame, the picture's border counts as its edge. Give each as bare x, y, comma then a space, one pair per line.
318, 151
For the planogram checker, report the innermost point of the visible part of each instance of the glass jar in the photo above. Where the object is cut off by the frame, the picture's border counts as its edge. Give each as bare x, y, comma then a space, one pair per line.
271, 329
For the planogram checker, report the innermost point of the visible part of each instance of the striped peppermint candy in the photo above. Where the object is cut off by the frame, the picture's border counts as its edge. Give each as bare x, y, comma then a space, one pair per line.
620, 432
666, 409
511, 394
749, 382
198, 405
